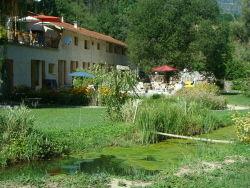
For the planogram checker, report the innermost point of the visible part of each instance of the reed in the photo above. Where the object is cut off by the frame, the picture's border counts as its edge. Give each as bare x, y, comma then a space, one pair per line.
175, 116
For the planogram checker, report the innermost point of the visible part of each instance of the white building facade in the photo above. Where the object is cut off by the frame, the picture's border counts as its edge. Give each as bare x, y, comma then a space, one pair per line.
36, 64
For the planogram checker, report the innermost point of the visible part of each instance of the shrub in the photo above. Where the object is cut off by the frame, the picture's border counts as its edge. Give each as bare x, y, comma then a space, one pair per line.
242, 124
205, 94
179, 117
75, 96
114, 86
243, 85
19, 141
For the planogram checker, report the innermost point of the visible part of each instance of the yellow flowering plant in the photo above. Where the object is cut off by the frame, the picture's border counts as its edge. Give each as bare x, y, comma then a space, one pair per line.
242, 123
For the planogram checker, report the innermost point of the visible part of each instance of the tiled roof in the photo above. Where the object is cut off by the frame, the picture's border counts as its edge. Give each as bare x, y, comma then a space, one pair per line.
89, 33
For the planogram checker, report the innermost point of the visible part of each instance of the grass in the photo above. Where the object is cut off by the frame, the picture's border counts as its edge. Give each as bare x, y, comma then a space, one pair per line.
238, 100
168, 157
175, 116
69, 118
91, 130
80, 128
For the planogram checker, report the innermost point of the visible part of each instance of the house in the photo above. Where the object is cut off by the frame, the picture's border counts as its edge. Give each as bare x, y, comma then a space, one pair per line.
43, 50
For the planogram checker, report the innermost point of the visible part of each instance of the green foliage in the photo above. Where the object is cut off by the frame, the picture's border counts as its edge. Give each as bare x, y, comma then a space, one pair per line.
243, 85
3, 34
81, 128
19, 140
246, 15
82, 82
204, 94
112, 17
180, 34
237, 69
174, 116
113, 87
238, 31
70, 10
52, 97
91, 138
212, 41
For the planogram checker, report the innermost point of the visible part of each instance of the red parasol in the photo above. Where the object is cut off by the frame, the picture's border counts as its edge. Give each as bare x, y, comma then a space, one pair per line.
45, 18
164, 68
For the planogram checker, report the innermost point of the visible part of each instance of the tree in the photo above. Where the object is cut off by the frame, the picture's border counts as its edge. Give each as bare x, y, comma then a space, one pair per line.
246, 15
111, 17
182, 33
8, 8
70, 10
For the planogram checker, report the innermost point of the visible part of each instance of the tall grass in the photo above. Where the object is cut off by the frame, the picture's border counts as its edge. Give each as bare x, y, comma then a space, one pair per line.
176, 116
205, 94
19, 141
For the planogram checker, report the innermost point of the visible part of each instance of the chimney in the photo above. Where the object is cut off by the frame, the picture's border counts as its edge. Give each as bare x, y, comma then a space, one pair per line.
62, 19
75, 24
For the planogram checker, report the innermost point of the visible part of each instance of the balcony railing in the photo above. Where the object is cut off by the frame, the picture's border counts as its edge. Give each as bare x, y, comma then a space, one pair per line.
35, 39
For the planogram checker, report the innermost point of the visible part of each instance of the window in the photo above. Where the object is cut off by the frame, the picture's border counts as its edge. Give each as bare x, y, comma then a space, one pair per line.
88, 65
51, 68
73, 66
76, 41
98, 46
86, 44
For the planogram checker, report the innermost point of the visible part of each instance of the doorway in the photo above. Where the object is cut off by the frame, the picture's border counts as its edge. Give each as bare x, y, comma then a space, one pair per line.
61, 73
8, 66
37, 74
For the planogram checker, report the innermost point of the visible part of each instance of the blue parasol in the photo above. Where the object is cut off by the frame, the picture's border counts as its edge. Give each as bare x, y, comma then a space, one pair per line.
82, 74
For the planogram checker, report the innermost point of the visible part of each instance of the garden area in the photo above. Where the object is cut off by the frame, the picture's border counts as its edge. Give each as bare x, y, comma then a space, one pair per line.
99, 132
90, 147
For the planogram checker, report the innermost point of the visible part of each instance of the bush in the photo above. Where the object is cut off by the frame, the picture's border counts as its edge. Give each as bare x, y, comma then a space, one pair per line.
114, 86
204, 94
19, 141
242, 85
242, 124
175, 116
76, 96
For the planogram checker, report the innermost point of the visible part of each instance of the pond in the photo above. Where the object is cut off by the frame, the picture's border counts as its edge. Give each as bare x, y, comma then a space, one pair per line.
109, 164
121, 161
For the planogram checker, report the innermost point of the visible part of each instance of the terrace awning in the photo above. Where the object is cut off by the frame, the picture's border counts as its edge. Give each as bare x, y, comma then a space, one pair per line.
45, 18
164, 68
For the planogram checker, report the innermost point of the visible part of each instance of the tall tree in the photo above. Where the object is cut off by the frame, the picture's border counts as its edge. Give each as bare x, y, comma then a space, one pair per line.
71, 10
246, 15
182, 33
111, 16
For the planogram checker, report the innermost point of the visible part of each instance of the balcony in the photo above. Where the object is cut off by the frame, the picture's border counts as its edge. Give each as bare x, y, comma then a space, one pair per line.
33, 39
34, 34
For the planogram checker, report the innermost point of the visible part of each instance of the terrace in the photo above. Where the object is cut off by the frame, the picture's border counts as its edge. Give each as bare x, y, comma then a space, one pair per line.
30, 31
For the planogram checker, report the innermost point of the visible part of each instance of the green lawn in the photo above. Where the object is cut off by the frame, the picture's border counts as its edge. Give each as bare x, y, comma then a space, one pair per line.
80, 128
69, 118
238, 100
